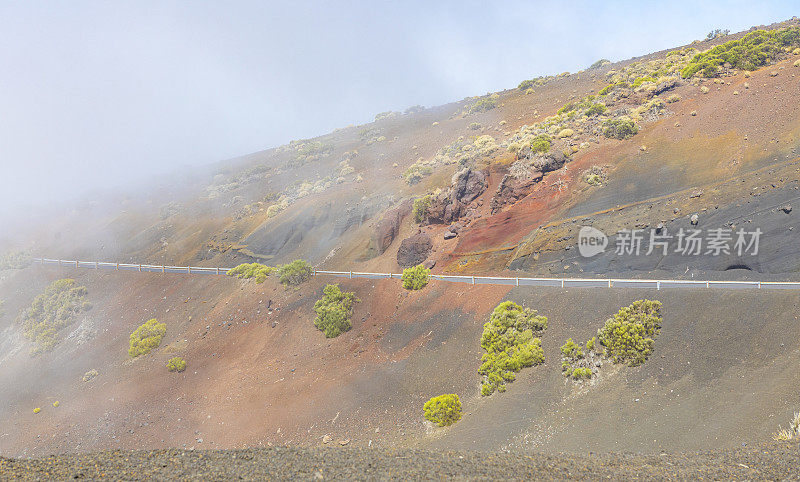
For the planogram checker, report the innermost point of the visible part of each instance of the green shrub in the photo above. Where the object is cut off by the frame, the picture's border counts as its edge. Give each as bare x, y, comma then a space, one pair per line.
754, 50
628, 336
334, 311
526, 84
567, 108
620, 128
605, 90
510, 345
483, 104
420, 209
90, 375
581, 373
571, 350
596, 109
416, 278
474, 126
443, 410
600, 63
294, 273
641, 80
55, 308
541, 144
257, 271
176, 364
146, 337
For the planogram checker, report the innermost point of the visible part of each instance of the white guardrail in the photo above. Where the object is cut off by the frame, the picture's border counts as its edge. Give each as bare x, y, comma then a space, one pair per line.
474, 280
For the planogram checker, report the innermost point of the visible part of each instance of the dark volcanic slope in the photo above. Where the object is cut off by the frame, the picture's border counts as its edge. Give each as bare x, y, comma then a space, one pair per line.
763, 463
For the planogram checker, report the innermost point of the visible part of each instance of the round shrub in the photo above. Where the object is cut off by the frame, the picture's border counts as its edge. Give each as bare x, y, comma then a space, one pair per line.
443, 410
147, 337
176, 364
334, 311
90, 375
621, 128
294, 273
37, 410
541, 144
416, 278
420, 209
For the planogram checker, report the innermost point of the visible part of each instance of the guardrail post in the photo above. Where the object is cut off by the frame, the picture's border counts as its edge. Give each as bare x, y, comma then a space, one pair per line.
473, 280
189, 270
59, 263
76, 263
707, 285
96, 265
163, 269
351, 275
116, 267
759, 285
609, 283
517, 281
217, 269
562, 283
658, 285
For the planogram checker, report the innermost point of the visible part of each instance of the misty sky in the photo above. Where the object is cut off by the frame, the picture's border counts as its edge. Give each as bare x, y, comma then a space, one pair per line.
108, 93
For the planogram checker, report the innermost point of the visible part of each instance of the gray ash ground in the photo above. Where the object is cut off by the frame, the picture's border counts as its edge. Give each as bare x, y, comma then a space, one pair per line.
765, 462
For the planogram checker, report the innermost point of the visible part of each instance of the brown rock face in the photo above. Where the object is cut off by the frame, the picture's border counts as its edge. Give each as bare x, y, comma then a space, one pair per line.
512, 190
452, 204
388, 227
414, 250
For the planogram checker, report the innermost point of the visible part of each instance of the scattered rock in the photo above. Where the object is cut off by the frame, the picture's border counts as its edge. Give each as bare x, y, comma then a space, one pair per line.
344, 441
429, 263
787, 209
326, 439
451, 205
694, 219
449, 235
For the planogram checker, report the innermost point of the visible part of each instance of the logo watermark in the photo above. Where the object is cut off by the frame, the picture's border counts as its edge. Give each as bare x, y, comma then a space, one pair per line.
686, 242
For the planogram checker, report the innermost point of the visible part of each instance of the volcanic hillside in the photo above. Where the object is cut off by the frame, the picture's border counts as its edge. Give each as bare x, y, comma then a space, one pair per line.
704, 136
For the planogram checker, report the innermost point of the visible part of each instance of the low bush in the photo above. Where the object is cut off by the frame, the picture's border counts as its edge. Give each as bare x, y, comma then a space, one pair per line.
416, 278
673, 98
641, 80
256, 271
37, 410
541, 144
596, 109
90, 375
176, 364
600, 63
581, 373
510, 345
146, 337
334, 311
628, 337
294, 273
483, 104
577, 363
54, 309
474, 126
792, 433
619, 128
420, 209
443, 410
416, 172
56, 404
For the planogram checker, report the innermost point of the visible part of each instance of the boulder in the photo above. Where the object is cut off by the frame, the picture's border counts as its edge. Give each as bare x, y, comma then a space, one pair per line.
387, 228
414, 250
449, 235
552, 161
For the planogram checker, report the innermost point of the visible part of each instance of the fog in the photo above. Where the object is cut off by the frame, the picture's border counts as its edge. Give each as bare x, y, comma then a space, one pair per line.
103, 96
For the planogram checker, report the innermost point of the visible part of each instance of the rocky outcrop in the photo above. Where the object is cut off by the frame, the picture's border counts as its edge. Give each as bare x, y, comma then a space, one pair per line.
512, 190
389, 226
452, 204
414, 250
515, 187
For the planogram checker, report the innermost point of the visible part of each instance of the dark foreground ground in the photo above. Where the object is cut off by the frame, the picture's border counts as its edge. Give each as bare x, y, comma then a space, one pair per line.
766, 462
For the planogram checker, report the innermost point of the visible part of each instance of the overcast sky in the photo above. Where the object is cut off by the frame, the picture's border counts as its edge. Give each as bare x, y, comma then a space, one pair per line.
111, 92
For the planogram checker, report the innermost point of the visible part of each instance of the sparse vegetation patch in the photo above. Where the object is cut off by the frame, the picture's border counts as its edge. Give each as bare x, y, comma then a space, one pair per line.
443, 410
420, 209
621, 128
51, 311
146, 337
510, 345
578, 362
334, 311
15, 260
754, 50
